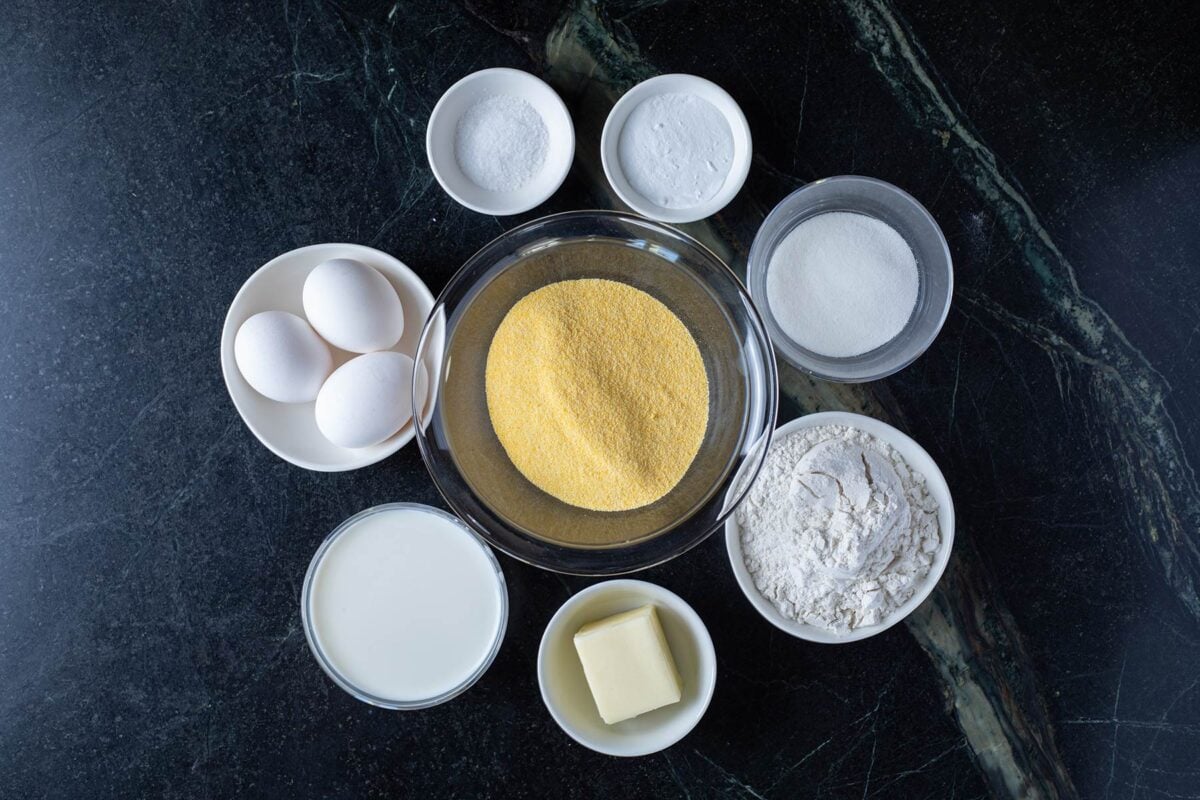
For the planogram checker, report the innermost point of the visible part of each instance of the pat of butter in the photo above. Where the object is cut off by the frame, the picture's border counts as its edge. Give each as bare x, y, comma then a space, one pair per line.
628, 664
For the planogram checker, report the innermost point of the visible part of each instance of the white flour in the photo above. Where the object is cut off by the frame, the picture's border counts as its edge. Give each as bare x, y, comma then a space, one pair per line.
500, 143
837, 531
676, 149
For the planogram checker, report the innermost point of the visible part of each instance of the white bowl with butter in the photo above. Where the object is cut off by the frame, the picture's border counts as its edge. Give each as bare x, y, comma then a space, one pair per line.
569, 698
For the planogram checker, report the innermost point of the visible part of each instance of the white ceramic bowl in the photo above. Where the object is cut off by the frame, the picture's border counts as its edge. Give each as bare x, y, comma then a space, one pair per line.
443, 124
610, 142
919, 460
565, 690
289, 430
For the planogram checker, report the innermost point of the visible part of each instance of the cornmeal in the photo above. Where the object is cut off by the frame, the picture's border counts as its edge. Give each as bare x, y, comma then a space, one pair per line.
598, 393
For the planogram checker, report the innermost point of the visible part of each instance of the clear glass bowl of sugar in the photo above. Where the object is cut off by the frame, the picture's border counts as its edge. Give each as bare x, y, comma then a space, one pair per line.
903, 213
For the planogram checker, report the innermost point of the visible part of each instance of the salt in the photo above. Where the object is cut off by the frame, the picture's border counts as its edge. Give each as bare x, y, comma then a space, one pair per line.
676, 149
500, 143
842, 284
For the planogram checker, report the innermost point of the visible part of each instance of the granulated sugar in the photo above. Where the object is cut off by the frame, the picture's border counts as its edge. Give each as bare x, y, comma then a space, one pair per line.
598, 393
838, 531
841, 284
500, 143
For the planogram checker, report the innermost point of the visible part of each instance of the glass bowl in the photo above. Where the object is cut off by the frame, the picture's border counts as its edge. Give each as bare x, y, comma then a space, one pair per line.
327, 664
464, 456
897, 208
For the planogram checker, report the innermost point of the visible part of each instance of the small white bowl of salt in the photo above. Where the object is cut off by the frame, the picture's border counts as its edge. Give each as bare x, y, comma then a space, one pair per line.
500, 141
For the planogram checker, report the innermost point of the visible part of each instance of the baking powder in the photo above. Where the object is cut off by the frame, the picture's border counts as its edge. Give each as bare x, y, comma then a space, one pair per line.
676, 149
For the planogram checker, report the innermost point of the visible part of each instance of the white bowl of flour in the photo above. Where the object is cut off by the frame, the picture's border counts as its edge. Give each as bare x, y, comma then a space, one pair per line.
847, 528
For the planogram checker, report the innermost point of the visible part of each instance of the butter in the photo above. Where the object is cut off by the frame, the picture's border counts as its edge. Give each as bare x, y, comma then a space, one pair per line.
628, 664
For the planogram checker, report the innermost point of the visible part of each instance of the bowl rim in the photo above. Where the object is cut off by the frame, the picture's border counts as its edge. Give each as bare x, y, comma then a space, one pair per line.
902, 443
758, 262
758, 447
654, 593
610, 147
344, 683
567, 131
229, 369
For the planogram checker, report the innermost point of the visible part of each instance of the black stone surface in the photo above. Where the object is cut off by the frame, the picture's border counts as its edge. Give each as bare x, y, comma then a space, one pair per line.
151, 550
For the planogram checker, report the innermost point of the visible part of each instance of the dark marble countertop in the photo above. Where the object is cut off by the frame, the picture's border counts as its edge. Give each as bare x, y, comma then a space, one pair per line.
151, 550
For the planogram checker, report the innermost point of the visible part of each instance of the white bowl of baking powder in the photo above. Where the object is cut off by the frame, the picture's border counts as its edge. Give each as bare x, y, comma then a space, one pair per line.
674, 133
935, 483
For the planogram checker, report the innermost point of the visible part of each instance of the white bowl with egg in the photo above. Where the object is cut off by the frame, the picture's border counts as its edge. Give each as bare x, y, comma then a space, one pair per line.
290, 429
442, 131
935, 483
613, 138
565, 689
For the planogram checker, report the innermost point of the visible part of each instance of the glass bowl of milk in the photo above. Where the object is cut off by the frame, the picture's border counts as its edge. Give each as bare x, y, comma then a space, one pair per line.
404, 607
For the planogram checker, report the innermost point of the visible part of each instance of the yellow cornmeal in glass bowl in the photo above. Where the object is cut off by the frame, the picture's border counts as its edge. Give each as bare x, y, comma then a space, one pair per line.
598, 393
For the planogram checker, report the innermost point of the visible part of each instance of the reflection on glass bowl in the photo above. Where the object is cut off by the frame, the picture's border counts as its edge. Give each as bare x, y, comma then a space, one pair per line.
900, 210
455, 434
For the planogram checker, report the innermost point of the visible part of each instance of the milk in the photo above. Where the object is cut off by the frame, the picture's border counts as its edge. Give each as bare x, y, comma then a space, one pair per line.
406, 605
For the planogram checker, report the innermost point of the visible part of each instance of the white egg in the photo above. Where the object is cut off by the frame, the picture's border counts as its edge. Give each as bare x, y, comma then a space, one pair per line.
366, 400
281, 356
353, 306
